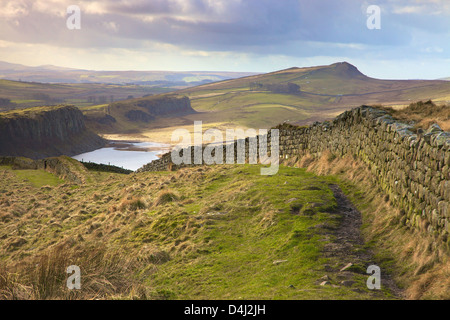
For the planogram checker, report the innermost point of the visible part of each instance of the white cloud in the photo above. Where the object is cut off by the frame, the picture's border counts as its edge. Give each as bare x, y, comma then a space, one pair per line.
426, 7
433, 50
247, 35
13, 9
111, 26
5, 44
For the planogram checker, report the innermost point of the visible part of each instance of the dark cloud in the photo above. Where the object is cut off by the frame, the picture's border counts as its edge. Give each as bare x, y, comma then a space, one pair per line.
140, 7
289, 27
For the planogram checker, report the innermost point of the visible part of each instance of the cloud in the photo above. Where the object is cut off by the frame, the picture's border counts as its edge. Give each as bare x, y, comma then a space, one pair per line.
244, 29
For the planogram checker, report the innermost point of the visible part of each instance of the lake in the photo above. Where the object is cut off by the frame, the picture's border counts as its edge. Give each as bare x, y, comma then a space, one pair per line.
126, 154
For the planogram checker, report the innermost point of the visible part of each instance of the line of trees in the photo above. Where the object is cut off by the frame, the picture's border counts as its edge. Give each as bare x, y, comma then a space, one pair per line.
100, 99
6, 104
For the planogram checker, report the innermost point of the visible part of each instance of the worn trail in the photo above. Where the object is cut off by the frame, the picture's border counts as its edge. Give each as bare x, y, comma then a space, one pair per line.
347, 245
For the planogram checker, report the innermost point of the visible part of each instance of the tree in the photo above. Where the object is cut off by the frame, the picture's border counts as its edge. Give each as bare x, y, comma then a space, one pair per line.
255, 86
293, 88
5, 102
289, 87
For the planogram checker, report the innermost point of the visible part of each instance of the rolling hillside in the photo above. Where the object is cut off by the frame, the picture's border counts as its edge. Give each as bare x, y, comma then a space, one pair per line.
296, 95
30, 94
55, 74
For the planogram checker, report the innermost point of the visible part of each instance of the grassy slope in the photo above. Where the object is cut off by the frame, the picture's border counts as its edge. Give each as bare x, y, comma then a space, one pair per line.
23, 93
327, 91
200, 233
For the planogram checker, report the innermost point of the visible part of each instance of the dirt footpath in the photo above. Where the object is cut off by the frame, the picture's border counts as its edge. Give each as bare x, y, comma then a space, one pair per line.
347, 249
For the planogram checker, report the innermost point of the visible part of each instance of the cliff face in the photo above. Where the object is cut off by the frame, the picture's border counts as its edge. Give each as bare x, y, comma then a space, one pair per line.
169, 105
150, 107
45, 132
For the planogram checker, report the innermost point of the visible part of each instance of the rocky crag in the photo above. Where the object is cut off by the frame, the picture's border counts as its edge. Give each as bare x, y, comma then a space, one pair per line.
42, 132
148, 108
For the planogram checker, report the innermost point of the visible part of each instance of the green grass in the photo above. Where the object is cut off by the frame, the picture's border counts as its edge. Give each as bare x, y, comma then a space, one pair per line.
253, 110
25, 101
39, 178
99, 107
241, 240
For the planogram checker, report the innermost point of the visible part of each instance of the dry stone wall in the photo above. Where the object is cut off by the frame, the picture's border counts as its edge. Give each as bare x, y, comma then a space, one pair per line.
411, 166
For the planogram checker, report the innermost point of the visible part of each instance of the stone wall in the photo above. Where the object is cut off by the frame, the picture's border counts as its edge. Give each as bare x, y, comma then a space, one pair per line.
411, 166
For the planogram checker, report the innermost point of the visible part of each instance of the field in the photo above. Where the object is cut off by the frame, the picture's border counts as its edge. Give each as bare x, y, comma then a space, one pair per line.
325, 92
30, 94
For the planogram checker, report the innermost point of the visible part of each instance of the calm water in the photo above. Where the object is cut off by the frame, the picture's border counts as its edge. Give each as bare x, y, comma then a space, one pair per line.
129, 155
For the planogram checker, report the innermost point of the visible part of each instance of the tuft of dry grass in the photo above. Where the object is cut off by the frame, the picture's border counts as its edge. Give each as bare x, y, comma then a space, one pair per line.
132, 203
164, 197
424, 114
104, 274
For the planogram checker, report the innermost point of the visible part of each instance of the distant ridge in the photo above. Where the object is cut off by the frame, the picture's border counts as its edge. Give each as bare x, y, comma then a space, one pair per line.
56, 74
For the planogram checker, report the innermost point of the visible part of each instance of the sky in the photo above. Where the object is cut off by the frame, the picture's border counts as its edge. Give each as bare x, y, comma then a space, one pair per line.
408, 39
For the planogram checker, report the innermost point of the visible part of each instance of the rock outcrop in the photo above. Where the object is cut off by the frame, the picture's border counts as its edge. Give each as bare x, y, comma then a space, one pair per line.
138, 115
154, 106
167, 105
42, 132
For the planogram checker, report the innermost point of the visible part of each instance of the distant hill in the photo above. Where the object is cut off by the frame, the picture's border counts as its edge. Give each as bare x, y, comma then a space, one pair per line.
295, 95
6, 67
54, 74
21, 94
324, 91
134, 114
